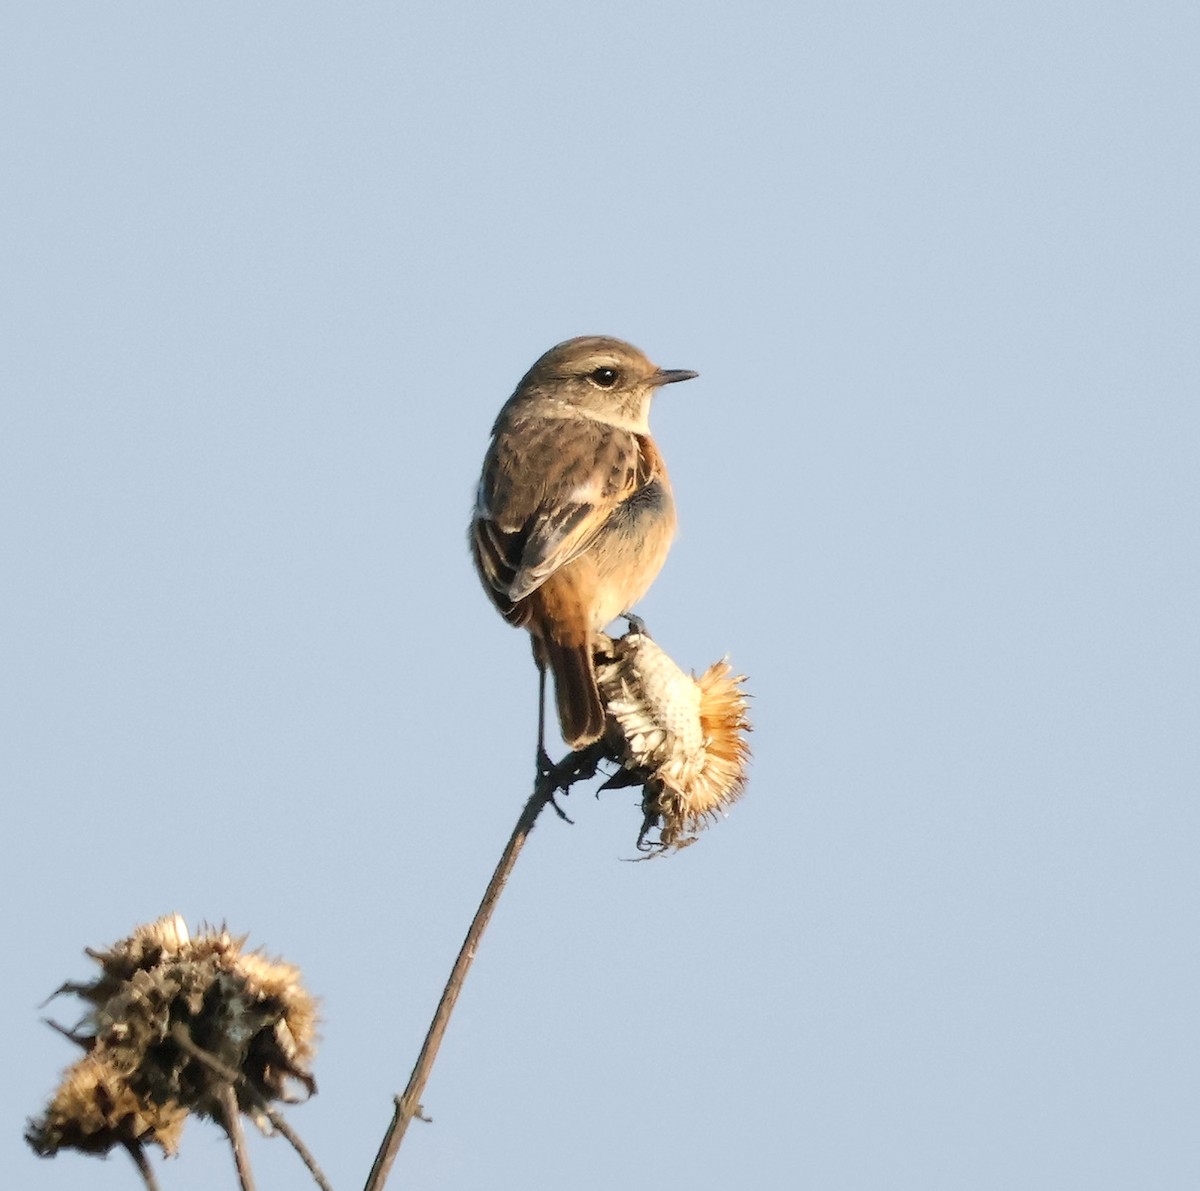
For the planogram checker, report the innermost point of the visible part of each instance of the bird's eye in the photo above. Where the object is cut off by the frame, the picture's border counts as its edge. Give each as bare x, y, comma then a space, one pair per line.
604, 377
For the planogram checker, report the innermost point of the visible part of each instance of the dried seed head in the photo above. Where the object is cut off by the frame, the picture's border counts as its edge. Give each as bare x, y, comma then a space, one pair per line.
682, 738
172, 1021
95, 1110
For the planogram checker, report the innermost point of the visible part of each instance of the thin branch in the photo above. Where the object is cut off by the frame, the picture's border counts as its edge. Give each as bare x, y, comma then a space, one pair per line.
142, 1162
183, 1039
237, 1137
280, 1125
408, 1104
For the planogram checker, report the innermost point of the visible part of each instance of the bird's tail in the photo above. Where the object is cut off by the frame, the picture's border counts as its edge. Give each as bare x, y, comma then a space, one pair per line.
580, 710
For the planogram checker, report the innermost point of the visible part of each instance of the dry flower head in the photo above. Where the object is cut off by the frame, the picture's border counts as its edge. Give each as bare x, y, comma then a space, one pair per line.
160, 997
94, 1110
682, 738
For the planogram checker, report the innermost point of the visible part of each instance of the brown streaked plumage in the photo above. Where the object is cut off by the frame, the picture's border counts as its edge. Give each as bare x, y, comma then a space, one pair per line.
574, 515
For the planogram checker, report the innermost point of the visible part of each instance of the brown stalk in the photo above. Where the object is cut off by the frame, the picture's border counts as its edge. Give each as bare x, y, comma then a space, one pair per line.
183, 1039
142, 1162
408, 1104
237, 1136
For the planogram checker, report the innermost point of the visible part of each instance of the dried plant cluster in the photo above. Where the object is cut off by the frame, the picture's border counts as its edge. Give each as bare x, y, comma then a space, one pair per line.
176, 1026
683, 739
173, 1023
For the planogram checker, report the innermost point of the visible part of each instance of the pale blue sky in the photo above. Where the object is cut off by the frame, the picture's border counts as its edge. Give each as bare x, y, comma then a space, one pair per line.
271, 270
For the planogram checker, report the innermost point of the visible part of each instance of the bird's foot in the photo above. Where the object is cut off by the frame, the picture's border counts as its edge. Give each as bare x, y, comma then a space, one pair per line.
551, 779
636, 624
576, 766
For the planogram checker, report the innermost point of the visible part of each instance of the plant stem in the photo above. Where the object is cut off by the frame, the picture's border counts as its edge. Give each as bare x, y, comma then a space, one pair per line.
142, 1162
237, 1137
183, 1040
408, 1104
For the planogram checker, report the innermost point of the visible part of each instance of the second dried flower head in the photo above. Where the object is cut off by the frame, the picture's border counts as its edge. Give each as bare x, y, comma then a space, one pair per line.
173, 1023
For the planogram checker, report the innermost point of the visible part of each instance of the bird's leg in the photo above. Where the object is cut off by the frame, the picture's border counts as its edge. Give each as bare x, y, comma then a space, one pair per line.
547, 771
544, 764
576, 766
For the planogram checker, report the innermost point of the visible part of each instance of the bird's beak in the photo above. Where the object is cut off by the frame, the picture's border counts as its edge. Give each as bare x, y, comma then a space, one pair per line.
670, 376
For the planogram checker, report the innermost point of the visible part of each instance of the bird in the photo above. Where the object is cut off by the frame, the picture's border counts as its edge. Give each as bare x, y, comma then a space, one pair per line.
574, 514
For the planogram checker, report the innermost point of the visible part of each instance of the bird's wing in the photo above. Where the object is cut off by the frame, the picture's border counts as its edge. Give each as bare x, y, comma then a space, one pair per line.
527, 528
559, 535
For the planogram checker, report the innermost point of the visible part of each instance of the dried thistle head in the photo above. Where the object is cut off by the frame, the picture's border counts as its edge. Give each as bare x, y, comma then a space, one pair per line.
683, 739
173, 1022
95, 1110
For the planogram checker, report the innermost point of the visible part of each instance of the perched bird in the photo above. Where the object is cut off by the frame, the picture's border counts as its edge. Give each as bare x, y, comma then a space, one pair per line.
574, 515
